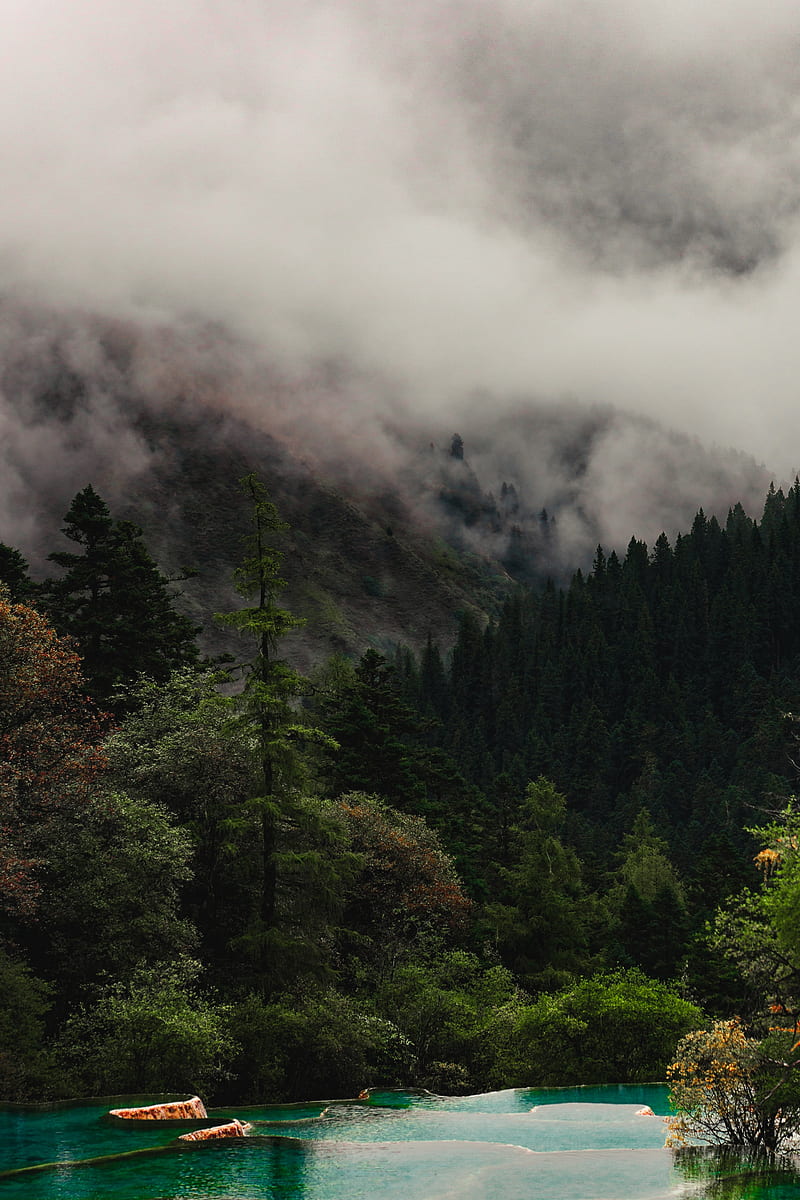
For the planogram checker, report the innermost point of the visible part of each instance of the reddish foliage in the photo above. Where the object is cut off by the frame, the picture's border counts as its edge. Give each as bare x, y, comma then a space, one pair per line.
406, 873
49, 746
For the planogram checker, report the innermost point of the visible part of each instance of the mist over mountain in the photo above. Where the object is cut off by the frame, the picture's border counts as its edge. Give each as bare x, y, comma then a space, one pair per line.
473, 286
397, 524
567, 233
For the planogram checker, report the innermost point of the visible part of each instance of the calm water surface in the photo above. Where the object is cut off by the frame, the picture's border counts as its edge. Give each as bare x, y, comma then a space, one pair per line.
553, 1144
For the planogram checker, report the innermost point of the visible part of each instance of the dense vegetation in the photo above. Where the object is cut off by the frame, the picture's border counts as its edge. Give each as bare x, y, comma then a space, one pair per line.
527, 862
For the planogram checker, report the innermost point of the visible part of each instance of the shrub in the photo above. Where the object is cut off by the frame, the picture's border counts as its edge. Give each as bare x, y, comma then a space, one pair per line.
155, 1033
319, 1045
732, 1090
620, 1027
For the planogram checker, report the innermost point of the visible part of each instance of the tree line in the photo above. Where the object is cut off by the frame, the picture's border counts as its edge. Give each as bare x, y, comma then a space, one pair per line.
499, 867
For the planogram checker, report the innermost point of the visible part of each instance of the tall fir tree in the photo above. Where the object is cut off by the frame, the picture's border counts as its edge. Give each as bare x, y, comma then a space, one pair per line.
297, 873
115, 602
14, 574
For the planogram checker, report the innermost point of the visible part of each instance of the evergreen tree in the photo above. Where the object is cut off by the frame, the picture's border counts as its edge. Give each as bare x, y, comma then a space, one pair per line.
113, 600
14, 574
377, 733
295, 838
543, 922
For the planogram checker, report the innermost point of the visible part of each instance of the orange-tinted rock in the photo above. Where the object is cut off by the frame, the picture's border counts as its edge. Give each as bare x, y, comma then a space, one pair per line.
178, 1110
233, 1129
646, 1111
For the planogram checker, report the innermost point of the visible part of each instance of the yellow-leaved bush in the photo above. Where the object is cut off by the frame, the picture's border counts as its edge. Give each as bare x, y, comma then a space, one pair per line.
733, 1090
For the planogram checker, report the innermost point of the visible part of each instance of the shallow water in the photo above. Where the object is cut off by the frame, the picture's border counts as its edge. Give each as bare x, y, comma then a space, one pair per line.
537, 1144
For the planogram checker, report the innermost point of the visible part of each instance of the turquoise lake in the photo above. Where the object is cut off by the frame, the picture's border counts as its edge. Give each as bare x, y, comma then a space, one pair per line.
522, 1144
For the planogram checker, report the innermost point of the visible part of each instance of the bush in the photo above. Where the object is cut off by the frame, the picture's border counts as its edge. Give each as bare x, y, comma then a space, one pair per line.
152, 1034
732, 1090
319, 1045
620, 1027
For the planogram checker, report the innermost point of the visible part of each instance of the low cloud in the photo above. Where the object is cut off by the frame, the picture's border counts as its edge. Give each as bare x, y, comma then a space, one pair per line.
338, 217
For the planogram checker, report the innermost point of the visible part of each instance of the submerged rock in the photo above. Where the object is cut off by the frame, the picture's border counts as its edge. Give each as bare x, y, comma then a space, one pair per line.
230, 1129
177, 1110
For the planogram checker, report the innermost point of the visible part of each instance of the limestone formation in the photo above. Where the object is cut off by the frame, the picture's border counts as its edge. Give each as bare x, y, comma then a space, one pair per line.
178, 1110
233, 1129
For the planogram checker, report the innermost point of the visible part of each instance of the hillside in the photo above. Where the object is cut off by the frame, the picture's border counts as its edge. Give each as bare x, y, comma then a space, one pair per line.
397, 524
361, 572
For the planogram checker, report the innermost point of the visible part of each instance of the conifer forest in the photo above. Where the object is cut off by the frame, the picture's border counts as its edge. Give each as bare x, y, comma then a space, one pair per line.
541, 854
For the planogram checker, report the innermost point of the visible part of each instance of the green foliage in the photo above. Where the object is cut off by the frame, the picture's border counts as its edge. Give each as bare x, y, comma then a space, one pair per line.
314, 868
620, 1027
648, 903
543, 919
453, 1010
741, 1090
376, 732
177, 744
645, 861
659, 682
181, 746
646, 702
780, 862
321, 1044
25, 1067
187, 746
258, 578
154, 1033
110, 894
267, 712
14, 575
758, 930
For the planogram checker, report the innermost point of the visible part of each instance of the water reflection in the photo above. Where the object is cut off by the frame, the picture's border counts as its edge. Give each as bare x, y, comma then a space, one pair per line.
289, 1163
718, 1174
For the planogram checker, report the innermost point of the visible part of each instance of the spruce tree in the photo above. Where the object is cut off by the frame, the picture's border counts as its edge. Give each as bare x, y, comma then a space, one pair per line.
14, 574
297, 867
113, 600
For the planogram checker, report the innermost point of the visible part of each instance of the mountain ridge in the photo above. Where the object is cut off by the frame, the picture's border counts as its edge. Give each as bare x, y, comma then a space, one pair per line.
397, 523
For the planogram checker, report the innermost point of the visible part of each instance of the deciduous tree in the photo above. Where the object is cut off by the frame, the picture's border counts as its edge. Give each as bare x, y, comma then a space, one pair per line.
620, 1027
153, 1033
406, 893
50, 754
733, 1090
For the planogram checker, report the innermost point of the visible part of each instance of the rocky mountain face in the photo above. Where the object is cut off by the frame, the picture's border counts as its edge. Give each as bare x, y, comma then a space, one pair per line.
397, 523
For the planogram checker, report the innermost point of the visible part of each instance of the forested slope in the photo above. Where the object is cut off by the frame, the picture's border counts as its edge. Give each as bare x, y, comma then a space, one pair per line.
401, 868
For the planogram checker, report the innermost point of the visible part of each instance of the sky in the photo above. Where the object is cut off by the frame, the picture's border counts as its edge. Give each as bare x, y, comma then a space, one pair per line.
499, 203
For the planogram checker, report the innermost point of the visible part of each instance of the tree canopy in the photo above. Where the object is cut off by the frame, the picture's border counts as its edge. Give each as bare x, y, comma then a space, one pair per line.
50, 753
522, 861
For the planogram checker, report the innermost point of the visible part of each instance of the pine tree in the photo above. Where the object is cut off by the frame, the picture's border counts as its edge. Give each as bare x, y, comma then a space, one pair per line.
295, 839
114, 601
14, 574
